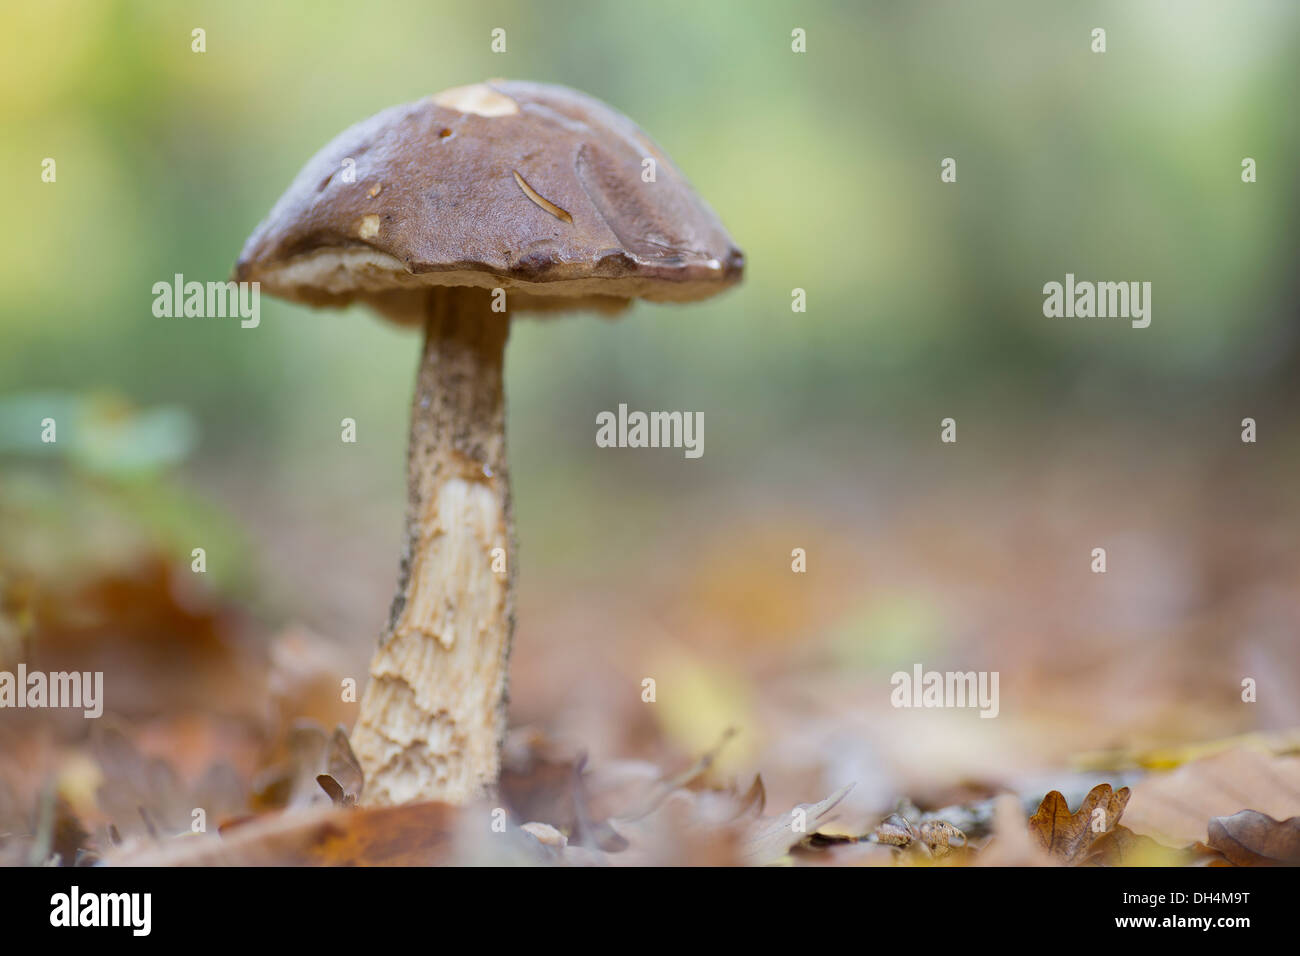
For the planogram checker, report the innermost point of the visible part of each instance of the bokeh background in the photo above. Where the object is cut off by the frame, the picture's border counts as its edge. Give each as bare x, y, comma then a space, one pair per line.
822, 428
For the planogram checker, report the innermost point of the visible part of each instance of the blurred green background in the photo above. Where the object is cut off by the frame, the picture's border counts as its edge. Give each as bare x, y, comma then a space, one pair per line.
823, 165
924, 300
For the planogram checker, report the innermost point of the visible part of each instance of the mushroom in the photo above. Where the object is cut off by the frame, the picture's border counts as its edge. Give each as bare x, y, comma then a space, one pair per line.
458, 212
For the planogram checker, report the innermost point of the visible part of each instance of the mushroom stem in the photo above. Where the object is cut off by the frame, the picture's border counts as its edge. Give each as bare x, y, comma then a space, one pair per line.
433, 714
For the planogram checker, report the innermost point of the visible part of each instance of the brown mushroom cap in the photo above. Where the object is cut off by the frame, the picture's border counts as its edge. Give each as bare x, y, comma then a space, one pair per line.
529, 187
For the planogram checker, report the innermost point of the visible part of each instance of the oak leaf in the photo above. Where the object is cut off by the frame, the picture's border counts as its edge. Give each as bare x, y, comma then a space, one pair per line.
1175, 807
1250, 838
1069, 837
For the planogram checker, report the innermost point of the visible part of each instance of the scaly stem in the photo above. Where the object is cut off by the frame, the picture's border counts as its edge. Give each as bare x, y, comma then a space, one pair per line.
433, 714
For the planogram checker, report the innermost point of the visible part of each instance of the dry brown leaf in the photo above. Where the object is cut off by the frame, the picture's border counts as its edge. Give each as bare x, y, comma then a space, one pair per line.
334, 790
1169, 758
292, 782
1250, 838
343, 779
139, 793
1175, 807
624, 812
417, 834
171, 645
1069, 837
1120, 846
773, 838
538, 779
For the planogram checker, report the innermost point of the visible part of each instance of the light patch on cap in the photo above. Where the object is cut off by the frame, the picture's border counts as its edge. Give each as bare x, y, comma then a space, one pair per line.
368, 227
478, 98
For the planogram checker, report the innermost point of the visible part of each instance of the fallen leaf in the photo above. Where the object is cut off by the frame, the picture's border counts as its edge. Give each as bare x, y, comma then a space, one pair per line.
141, 793
773, 838
1250, 838
1175, 807
1169, 758
1069, 837
342, 779
416, 834
308, 754
1120, 846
